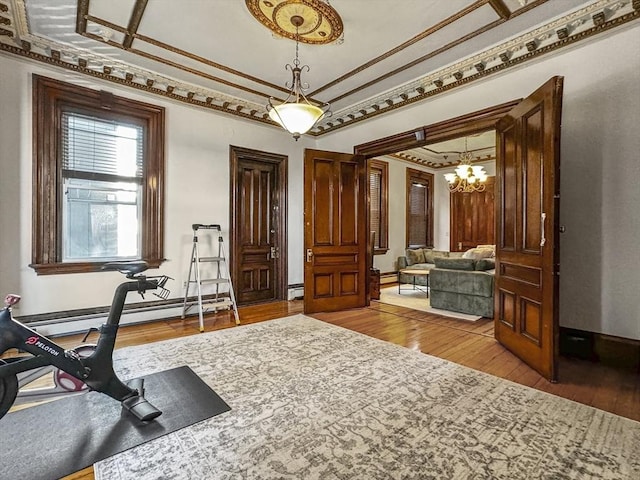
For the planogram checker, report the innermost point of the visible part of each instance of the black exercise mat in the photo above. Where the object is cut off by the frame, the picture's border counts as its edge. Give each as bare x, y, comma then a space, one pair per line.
55, 439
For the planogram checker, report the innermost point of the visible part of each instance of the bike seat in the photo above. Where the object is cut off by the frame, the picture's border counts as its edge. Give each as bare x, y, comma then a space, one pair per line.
129, 268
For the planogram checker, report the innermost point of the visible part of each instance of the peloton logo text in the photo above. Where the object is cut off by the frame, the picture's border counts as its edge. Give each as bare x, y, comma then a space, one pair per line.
36, 341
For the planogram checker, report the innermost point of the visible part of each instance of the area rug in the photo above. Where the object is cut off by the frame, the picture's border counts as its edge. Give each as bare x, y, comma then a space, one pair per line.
418, 300
310, 400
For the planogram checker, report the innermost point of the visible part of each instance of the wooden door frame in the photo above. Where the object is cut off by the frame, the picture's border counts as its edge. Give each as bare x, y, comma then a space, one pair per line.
474, 122
281, 163
464, 125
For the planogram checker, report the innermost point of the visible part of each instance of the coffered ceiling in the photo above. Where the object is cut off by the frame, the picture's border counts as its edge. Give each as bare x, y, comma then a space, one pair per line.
217, 55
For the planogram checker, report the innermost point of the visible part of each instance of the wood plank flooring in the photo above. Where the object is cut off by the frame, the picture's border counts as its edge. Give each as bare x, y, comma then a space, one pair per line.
466, 343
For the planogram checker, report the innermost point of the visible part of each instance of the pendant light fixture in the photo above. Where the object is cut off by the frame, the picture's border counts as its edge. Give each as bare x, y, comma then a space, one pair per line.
468, 178
296, 114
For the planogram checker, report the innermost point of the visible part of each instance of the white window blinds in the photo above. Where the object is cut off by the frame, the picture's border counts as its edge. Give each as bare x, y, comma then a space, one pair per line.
93, 148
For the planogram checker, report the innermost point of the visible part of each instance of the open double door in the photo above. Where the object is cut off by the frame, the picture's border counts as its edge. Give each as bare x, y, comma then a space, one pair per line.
527, 253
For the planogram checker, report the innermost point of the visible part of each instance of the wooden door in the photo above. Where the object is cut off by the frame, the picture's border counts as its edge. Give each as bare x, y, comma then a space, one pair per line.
335, 231
258, 228
527, 199
472, 218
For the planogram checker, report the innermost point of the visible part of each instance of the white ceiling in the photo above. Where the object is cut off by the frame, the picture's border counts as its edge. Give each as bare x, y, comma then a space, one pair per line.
215, 54
447, 153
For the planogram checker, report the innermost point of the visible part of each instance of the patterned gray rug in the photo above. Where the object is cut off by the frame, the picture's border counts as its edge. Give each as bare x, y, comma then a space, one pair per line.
314, 401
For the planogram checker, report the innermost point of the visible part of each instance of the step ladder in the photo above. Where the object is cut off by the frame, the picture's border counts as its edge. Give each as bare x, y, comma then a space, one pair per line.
217, 274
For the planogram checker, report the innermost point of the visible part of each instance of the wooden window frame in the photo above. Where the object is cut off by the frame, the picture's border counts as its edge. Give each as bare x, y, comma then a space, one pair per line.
428, 179
50, 98
383, 167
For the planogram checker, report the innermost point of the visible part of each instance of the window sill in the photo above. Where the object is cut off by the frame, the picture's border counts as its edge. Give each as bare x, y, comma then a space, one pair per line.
380, 251
79, 267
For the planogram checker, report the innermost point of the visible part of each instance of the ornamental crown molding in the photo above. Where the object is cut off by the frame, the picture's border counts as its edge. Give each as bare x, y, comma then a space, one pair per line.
593, 19
579, 25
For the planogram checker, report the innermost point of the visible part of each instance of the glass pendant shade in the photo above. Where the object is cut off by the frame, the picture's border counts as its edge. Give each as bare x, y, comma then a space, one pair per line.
462, 171
450, 177
296, 118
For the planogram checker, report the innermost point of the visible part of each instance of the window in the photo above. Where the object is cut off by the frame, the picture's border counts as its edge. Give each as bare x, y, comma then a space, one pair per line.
98, 179
379, 204
419, 208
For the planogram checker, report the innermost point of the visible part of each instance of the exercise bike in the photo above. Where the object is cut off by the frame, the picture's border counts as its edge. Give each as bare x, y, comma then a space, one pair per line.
86, 367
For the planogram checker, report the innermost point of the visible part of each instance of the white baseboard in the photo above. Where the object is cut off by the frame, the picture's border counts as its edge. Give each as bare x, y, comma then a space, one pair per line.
129, 317
295, 293
388, 278
82, 324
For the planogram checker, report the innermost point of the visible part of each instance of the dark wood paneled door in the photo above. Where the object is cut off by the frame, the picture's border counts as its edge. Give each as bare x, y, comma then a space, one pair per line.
472, 218
258, 225
335, 231
527, 247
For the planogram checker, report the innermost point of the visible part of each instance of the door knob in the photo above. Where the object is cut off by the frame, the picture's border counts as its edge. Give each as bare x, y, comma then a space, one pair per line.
309, 255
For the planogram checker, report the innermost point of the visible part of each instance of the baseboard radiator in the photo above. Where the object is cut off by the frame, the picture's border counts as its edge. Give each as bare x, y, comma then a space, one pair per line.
78, 321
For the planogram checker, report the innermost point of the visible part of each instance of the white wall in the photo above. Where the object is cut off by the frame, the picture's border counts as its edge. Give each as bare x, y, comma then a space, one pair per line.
197, 190
600, 199
600, 167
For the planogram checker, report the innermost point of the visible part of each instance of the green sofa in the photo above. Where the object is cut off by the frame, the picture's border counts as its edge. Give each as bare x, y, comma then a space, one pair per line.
457, 283
421, 259
467, 290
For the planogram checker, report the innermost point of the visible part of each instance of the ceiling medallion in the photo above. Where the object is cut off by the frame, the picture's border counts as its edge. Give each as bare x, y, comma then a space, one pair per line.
321, 25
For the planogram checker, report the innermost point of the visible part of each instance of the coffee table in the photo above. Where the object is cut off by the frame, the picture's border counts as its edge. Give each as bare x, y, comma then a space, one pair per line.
414, 273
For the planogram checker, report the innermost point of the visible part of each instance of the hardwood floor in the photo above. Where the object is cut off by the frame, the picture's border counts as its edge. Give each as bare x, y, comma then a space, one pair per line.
466, 343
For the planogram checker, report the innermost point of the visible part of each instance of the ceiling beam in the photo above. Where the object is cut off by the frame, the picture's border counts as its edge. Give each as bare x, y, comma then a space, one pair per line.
81, 16
501, 9
134, 23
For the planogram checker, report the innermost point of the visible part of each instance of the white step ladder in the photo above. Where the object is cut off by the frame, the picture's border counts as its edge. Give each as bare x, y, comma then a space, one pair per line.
219, 275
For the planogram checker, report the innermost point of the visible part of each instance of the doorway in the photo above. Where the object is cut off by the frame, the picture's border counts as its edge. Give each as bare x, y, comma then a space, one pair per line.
527, 210
258, 220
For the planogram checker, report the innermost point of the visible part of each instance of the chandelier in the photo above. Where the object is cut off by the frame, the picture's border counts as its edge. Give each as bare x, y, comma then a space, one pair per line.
296, 114
467, 178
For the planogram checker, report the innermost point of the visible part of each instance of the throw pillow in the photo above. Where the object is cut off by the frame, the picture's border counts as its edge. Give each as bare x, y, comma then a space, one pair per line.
478, 253
438, 253
428, 255
455, 263
485, 264
491, 247
415, 256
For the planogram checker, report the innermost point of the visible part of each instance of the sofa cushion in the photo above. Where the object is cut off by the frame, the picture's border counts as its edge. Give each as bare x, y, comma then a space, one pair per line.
478, 253
430, 254
460, 282
455, 263
415, 256
485, 264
